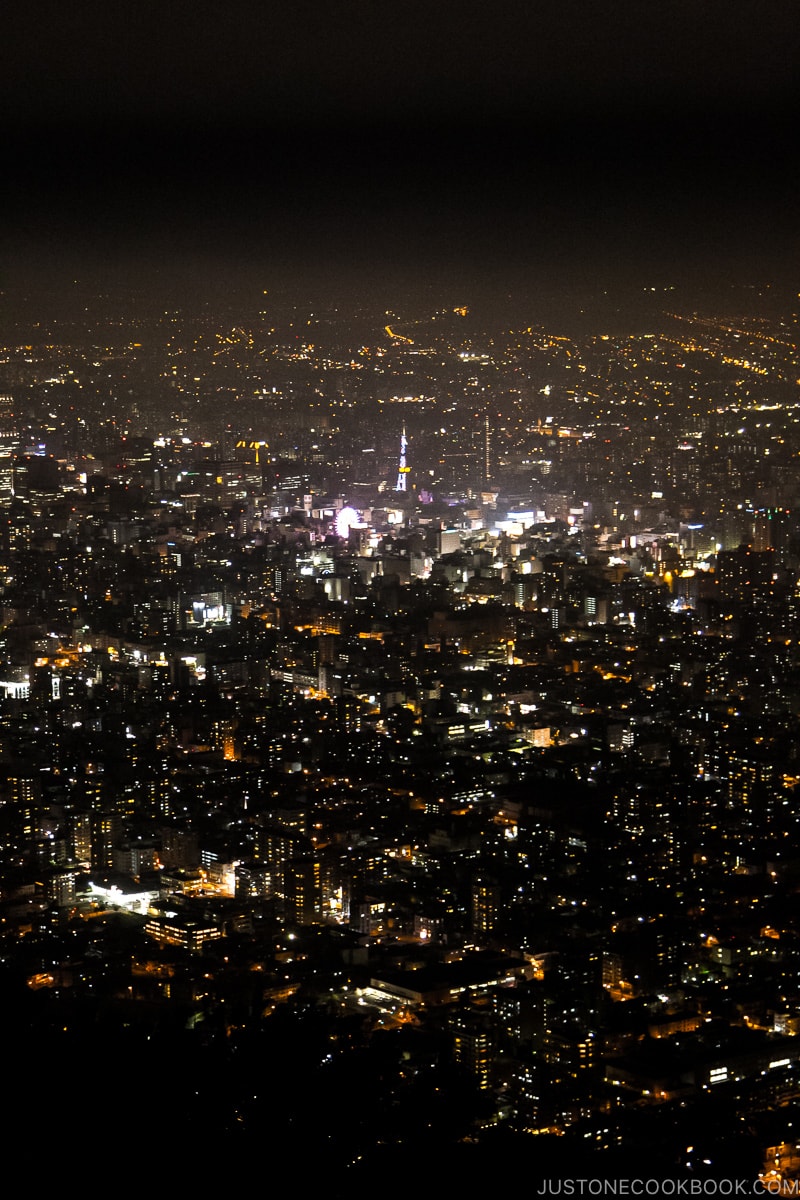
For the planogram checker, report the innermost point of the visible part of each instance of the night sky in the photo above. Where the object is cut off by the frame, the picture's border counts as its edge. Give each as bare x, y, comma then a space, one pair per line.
202, 148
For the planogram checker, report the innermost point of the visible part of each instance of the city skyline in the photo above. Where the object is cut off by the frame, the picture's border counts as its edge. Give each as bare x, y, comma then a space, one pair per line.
456, 817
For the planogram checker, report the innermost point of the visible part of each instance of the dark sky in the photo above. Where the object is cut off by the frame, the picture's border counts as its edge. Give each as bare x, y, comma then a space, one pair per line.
209, 146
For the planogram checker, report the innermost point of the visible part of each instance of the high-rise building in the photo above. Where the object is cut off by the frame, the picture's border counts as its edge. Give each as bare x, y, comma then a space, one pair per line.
745, 573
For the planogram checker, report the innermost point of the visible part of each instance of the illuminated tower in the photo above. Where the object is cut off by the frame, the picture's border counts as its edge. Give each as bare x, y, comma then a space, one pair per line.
403, 469
487, 450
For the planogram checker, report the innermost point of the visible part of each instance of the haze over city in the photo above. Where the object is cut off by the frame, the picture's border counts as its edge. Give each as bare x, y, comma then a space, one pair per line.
346, 146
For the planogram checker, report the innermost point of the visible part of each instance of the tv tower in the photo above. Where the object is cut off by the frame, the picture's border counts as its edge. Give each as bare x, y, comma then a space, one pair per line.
487, 451
402, 468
